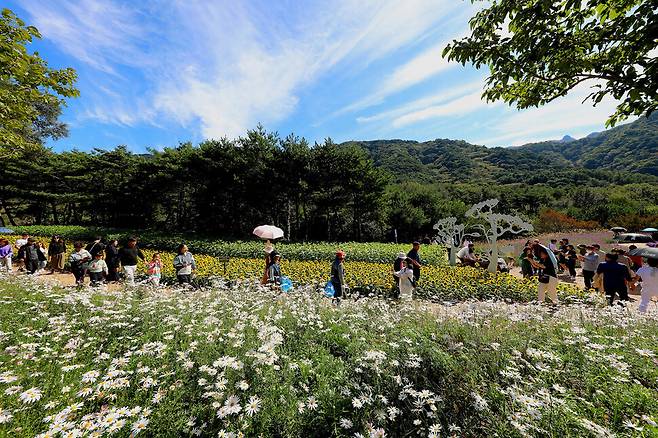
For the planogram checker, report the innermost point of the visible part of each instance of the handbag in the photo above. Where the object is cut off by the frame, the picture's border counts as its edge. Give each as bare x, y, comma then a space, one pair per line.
543, 278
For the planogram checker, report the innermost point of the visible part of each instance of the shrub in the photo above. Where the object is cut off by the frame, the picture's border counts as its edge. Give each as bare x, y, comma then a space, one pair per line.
551, 221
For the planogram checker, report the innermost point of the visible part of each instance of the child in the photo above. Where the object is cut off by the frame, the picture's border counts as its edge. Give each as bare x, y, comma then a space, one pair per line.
184, 264
274, 271
97, 269
78, 260
406, 276
154, 270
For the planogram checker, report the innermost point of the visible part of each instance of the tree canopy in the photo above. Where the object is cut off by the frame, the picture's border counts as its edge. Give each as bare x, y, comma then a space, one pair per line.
539, 50
31, 93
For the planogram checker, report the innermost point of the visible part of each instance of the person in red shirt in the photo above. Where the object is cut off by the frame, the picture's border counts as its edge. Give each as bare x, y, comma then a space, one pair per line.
636, 261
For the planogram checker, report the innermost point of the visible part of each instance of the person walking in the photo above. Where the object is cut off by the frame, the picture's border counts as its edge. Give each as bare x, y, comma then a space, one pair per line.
571, 256
18, 245
97, 269
129, 256
406, 278
78, 260
112, 259
154, 270
56, 253
6, 253
397, 265
648, 276
338, 276
184, 264
31, 256
615, 276
414, 255
590, 261
43, 259
547, 275
96, 246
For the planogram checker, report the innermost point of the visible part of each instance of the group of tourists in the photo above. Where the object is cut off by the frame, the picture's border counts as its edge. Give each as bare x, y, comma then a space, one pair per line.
614, 273
102, 260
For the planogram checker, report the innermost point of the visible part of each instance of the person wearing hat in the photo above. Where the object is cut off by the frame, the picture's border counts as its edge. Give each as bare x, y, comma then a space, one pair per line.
406, 279
415, 260
338, 276
397, 265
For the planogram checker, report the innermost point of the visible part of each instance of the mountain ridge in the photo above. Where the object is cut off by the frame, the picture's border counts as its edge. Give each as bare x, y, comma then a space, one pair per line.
627, 152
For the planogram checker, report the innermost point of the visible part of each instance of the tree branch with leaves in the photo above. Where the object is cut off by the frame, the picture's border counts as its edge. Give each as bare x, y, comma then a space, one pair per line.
538, 51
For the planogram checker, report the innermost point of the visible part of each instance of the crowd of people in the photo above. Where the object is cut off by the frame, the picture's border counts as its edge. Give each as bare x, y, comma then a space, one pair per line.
615, 273
101, 260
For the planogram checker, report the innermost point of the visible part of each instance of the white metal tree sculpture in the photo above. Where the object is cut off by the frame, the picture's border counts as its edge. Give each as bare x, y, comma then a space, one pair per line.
495, 225
451, 234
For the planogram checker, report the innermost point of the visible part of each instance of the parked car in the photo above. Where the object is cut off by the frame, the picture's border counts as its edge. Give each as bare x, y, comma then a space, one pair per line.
626, 239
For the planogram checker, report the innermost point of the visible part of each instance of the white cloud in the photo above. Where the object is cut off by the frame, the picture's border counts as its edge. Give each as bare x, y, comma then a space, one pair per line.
424, 103
566, 115
229, 65
99, 33
457, 107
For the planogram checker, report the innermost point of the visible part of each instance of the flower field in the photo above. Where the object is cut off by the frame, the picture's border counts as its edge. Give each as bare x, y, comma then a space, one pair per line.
357, 251
437, 283
243, 361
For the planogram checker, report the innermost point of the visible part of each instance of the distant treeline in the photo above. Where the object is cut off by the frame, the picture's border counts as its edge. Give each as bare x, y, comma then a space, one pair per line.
324, 191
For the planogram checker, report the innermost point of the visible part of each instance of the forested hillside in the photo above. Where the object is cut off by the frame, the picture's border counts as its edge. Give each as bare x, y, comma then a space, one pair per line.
614, 156
328, 191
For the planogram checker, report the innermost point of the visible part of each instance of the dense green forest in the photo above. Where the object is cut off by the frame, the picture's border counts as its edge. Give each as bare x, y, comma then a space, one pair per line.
328, 191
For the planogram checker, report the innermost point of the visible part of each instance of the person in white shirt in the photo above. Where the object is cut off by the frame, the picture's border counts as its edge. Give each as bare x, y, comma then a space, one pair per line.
648, 275
406, 276
467, 255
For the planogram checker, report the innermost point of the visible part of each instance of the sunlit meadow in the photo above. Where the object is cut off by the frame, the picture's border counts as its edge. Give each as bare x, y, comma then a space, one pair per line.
246, 361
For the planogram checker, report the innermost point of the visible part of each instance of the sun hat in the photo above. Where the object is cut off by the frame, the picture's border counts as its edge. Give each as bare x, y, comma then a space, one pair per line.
402, 255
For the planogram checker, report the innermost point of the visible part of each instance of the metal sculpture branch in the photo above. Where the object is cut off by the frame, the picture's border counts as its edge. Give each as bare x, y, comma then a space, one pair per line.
451, 234
494, 225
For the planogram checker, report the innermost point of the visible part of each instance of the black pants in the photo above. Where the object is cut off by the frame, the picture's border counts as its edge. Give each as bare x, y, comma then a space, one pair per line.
112, 272
622, 292
184, 278
588, 276
96, 277
571, 264
338, 289
79, 273
31, 266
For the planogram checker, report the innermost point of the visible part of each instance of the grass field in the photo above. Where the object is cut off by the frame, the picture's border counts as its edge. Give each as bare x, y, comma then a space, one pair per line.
245, 362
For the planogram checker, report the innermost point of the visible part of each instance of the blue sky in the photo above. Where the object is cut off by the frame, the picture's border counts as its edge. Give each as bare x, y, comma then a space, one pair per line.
160, 72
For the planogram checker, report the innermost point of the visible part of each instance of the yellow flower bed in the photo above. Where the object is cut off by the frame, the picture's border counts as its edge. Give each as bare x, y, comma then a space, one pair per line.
436, 282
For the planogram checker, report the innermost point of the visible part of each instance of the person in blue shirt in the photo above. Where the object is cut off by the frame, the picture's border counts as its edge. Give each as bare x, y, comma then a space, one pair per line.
615, 276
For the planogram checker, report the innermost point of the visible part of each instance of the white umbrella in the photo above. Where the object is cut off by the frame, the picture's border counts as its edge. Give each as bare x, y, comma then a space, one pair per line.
269, 232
